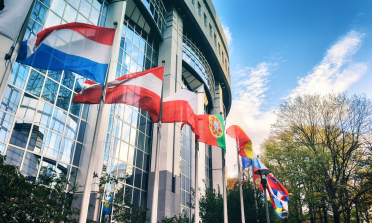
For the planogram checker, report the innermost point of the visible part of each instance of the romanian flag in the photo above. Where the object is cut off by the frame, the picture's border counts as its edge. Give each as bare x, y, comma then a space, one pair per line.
212, 130
243, 141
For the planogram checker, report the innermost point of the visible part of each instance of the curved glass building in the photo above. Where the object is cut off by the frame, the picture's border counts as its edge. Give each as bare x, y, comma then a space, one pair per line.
41, 128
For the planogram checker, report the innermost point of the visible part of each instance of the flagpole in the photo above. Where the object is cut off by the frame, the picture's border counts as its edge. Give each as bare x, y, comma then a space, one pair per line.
254, 190
155, 193
14, 51
225, 217
196, 182
240, 186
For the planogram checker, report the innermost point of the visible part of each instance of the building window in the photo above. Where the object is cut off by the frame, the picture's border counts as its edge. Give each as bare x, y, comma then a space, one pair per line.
205, 20
210, 29
199, 9
219, 49
192, 1
223, 58
215, 40
185, 171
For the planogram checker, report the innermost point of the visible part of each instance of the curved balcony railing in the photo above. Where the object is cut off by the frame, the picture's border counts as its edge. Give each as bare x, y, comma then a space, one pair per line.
192, 55
157, 11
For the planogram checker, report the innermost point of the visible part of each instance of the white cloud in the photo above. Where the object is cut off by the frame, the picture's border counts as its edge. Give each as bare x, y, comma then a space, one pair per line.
228, 34
247, 109
336, 72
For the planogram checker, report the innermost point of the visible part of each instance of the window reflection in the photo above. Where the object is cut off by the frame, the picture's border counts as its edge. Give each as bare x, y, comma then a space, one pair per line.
20, 133
67, 150
28, 107
64, 97
35, 83
50, 91
37, 139
14, 156
71, 127
6, 122
31, 164
52, 145
19, 75
11, 99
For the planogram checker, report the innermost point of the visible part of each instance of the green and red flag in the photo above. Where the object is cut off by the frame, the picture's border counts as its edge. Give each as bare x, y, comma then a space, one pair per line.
243, 141
212, 130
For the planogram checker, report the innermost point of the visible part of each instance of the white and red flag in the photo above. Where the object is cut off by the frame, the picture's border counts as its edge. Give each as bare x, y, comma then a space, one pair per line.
181, 107
141, 89
90, 93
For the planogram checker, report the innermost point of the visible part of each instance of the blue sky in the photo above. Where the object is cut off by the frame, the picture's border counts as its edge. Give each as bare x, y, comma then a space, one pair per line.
279, 49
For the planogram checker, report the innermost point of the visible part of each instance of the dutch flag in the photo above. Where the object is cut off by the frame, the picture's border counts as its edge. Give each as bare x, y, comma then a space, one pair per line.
82, 48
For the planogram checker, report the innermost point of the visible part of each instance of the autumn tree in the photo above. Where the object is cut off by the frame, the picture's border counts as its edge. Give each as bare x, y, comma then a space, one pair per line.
320, 149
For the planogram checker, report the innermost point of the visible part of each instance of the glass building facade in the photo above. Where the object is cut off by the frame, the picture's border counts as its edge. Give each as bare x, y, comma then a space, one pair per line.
185, 170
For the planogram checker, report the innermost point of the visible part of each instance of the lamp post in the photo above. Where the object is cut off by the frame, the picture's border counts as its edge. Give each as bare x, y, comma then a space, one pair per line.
263, 174
285, 216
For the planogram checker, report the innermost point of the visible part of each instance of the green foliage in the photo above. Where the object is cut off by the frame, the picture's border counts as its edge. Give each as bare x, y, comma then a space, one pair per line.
22, 199
122, 209
182, 218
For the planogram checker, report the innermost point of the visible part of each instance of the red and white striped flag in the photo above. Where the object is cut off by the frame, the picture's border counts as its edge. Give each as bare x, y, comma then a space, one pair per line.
181, 107
90, 93
141, 89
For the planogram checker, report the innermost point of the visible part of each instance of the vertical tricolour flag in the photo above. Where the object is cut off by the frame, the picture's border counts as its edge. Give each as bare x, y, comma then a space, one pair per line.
181, 107
13, 16
82, 48
141, 89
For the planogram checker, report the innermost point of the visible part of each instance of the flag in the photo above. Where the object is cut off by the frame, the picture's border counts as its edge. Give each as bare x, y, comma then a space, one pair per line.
246, 162
82, 48
141, 89
243, 141
90, 93
107, 206
277, 188
181, 107
212, 130
256, 166
13, 16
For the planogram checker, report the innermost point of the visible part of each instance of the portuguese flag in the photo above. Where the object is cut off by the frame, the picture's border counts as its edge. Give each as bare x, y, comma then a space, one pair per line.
212, 130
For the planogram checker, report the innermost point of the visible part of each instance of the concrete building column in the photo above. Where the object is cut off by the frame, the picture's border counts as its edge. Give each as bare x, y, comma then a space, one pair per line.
169, 181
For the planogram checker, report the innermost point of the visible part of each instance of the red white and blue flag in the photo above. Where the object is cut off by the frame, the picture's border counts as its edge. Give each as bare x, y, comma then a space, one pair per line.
82, 48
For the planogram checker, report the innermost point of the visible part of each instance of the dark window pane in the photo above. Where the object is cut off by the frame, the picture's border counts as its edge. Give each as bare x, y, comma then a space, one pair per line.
75, 108
68, 79
31, 164
63, 170
130, 175
59, 119
28, 107
138, 177
81, 131
67, 150
47, 167
74, 173
19, 75
142, 124
78, 83
139, 159
129, 192
141, 141
46, 2
39, 13
11, 99
52, 145
77, 154
149, 129
20, 133
33, 28
14, 156
55, 75
35, 83
146, 162
44, 113
145, 177
6, 122
143, 199
136, 197
85, 112
71, 126
37, 139
64, 97
50, 91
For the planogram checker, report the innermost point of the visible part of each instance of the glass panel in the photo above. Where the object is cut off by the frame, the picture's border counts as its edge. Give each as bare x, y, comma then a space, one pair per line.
141, 59
71, 127
59, 119
115, 143
141, 141
81, 131
135, 53
133, 66
55, 75
19, 75
85, 112
85, 8
11, 99
137, 179
2, 148
75, 108
78, 83
68, 79
63, 170
50, 91
77, 154
74, 173
146, 162
52, 145
37, 139
47, 167
58, 6
129, 33
135, 119
31, 164
44, 113
64, 97
126, 60
133, 136
20, 133
14, 156
130, 175
35, 83
74, 3
67, 150
116, 131
33, 28
124, 151
81, 19
131, 155
70, 14
136, 197
126, 132
94, 16
28, 107
52, 20
128, 46
6, 122
39, 12
139, 159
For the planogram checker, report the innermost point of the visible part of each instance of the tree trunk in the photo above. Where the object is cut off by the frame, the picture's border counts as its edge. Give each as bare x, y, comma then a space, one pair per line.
325, 212
336, 214
357, 213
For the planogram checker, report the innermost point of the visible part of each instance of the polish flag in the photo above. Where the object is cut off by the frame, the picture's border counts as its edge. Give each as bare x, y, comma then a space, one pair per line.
90, 93
141, 89
181, 107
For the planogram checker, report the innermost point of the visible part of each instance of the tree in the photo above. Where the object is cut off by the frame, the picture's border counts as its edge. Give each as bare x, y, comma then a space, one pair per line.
23, 199
320, 149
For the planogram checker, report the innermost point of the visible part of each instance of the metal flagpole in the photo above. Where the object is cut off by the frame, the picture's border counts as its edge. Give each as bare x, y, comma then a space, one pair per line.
155, 193
240, 186
267, 207
13, 53
196, 182
225, 217
255, 195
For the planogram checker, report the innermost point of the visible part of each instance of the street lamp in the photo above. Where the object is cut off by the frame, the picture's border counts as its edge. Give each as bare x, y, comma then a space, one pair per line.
263, 174
285, 216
